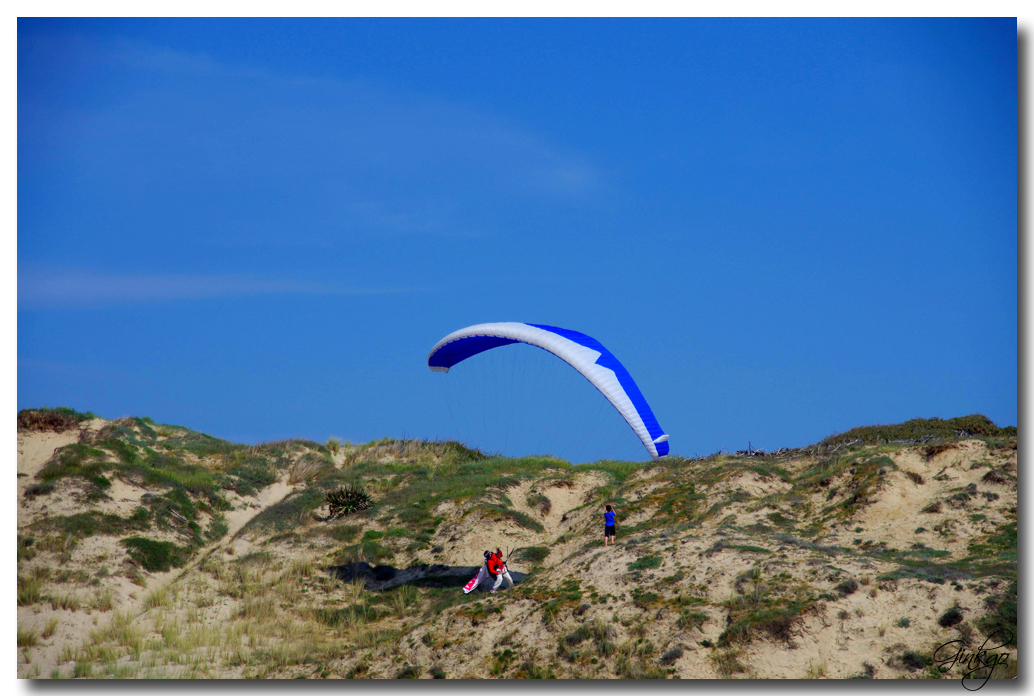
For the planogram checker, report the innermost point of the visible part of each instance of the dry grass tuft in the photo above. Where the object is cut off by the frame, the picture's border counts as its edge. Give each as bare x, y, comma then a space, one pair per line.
69, 602
727, 662
354, 590
159, 598
816, 671
105, 600
27, 638
306, 467
30, 591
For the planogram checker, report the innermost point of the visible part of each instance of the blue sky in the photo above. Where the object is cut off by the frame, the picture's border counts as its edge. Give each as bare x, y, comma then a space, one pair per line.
259, 228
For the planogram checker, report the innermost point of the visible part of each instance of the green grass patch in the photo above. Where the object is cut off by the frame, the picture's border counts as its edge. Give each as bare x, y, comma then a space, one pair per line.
781, 520
747, 548
774, 619
366, 550
156, 556
345, 532
995, 552
289, 513
341, 617
692, 619
250, 475
645, 563
86, 524
974, 425
645, 600
532, 554
493, 511
217, 528
1000, 621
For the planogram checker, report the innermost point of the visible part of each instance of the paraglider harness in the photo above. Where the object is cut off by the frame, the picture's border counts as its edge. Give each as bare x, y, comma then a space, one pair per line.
472, 585
501, 565
489, 557
505, 560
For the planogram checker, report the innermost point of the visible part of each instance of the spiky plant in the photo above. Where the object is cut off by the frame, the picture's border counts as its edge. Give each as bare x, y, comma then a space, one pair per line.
346, 500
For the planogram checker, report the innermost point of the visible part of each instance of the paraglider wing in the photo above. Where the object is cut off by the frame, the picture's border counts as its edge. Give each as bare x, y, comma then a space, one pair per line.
583, 353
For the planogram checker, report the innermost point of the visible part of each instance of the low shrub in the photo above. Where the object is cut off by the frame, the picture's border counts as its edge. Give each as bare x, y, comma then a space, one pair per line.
951, 617
539, 501
847, 587
913, 661
156, 556
409, 671
669, 657
55, 419
646, 562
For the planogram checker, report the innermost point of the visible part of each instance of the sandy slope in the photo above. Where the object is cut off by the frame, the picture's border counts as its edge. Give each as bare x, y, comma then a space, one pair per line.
835, 640
97, 555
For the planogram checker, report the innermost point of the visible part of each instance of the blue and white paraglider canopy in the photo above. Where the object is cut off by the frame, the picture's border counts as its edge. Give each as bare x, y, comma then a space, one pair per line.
583, 353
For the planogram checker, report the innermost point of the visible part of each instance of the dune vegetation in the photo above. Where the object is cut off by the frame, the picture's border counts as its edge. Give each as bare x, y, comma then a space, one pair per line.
149, 550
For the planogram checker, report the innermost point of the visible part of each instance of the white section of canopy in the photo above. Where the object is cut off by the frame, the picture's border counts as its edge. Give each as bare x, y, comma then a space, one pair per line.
577, 356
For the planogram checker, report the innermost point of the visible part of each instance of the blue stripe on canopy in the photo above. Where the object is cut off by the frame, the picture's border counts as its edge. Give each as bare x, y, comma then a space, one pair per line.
608, 361
461, 349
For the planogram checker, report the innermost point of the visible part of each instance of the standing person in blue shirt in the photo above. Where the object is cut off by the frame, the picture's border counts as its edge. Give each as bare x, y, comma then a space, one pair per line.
608, 521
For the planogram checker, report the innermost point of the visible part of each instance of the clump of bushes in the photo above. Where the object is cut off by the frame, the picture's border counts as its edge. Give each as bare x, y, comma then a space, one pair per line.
847, 587
537, 500
913, 661
996, 476
670, 656
409, 671
346, 500
40, 489
975, 425
56, 419
778, 622
951, 617
156, 556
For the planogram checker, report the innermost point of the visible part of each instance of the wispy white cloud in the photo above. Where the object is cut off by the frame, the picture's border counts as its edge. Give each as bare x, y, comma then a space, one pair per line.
334, 158
60, 289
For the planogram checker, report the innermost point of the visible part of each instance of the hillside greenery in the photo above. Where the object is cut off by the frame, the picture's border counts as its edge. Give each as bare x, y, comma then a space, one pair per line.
790, 519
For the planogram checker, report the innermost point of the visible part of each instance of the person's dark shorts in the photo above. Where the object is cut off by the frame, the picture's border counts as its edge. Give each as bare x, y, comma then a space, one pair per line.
608, 530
